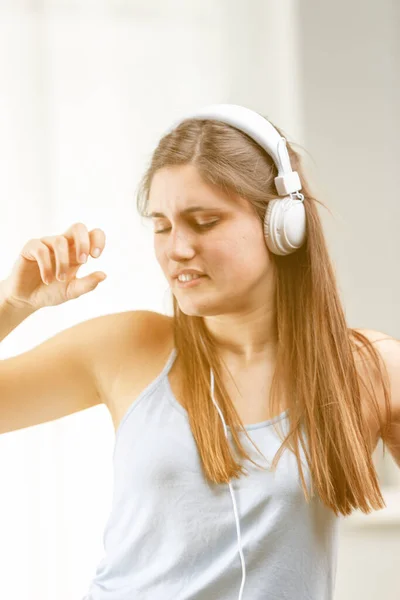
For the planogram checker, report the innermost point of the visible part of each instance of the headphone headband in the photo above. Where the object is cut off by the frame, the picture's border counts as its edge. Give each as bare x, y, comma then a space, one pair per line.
262, 132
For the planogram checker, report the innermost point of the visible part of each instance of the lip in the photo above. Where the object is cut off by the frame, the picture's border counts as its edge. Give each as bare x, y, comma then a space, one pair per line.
187, 272
189, 284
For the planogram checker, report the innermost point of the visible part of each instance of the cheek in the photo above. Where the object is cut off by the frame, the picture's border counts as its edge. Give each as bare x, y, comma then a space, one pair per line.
242, 250
243, 258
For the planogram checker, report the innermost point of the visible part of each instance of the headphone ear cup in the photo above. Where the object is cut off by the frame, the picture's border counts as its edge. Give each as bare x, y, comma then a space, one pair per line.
267, 224
285, 225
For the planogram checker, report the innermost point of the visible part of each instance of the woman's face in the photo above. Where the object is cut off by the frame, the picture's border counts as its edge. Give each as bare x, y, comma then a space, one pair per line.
224, 240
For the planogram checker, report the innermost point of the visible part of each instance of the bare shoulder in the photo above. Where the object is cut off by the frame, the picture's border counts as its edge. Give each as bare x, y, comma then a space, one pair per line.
387, 346
79, 367
146, 324
133, 344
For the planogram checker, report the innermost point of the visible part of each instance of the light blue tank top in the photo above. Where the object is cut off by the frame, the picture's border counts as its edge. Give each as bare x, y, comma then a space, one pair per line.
171, 535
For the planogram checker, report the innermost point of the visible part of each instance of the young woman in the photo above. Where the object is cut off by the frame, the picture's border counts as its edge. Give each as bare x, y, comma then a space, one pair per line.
246, 422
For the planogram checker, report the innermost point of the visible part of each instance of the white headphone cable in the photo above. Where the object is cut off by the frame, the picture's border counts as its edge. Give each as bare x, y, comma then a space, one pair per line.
232, 494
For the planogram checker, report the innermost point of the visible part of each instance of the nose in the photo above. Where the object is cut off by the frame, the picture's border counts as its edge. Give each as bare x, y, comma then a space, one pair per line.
180, 246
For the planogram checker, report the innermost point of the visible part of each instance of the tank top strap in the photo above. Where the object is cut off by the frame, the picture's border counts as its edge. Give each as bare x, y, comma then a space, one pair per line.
169, 363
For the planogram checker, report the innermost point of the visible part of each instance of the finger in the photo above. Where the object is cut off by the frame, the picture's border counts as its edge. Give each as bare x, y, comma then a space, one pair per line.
79, 234
97, 242
79, 287
86, 241
59, 246
42, 254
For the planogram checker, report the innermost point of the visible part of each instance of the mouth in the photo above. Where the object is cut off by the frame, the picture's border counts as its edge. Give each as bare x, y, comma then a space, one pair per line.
191, 283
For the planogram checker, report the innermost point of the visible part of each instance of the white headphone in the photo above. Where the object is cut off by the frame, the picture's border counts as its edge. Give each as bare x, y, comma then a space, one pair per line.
285, 218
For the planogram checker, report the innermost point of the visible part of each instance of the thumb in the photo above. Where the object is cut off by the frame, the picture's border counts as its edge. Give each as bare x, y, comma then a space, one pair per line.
79, 287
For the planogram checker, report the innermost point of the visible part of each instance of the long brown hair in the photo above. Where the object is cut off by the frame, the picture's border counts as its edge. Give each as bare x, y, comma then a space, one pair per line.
316, 365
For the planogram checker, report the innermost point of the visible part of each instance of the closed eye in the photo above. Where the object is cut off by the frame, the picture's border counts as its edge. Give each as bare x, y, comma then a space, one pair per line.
199, 225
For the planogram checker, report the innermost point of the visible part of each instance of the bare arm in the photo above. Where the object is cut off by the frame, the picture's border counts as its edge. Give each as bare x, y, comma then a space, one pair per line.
65, 373
54, 379
75, 369
10, 317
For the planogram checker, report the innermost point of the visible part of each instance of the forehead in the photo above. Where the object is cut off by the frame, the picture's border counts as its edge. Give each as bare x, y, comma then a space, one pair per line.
181, 190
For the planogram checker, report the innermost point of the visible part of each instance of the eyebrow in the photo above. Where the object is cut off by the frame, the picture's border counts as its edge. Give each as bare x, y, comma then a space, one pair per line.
191, 209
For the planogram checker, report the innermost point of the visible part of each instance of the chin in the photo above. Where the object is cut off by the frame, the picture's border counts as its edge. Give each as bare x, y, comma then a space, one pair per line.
199, 309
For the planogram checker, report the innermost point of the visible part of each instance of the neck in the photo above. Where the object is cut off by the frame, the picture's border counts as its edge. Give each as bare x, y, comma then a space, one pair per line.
247, 340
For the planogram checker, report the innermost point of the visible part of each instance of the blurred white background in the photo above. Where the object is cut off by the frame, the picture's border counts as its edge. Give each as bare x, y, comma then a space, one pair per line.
86, 90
